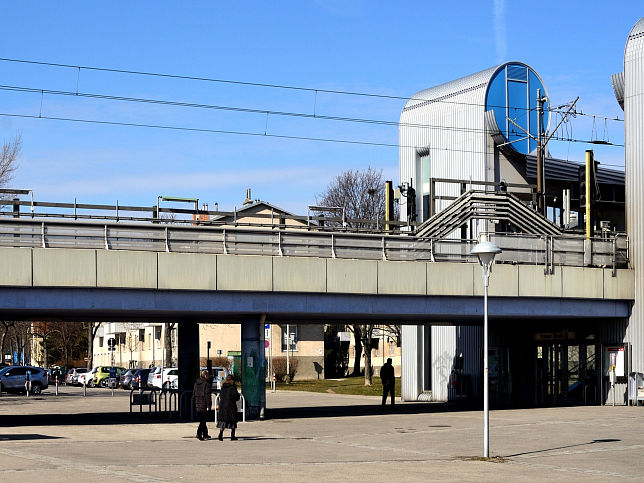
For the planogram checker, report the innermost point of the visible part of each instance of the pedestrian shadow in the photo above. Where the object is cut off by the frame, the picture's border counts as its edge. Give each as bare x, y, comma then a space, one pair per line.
304, 412
539, 451
24, 437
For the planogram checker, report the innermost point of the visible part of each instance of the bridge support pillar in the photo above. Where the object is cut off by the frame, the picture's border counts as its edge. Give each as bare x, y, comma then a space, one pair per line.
253, 366
188, 353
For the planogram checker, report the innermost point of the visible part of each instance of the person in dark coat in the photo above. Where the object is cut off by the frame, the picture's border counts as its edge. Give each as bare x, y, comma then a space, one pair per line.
388, 382
203, 403
227, 415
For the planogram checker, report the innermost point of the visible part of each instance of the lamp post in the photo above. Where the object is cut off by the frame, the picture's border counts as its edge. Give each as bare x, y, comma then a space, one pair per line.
485, 251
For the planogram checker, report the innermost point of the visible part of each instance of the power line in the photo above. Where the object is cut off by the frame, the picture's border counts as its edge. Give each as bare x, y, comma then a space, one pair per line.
267, 85
252, 110
227, 108
244, 133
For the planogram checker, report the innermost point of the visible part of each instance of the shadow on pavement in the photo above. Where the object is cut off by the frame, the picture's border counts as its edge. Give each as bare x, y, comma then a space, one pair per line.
19, 437
81, 419
595, 441
362, 410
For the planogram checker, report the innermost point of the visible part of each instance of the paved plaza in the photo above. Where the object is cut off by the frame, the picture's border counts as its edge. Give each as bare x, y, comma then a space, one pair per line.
309, 436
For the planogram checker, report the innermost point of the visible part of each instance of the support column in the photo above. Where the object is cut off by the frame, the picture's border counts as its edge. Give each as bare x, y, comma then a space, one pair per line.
188, 353
253, 367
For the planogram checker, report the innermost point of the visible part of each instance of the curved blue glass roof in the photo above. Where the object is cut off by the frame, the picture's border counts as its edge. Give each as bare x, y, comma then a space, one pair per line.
512, 95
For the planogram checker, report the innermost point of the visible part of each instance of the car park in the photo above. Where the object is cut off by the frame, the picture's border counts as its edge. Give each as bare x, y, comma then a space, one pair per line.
13, 379
71, 379
140, 379
152, 375
87, 378
102, 375
218, 376
56, 372
126, 378
168, 378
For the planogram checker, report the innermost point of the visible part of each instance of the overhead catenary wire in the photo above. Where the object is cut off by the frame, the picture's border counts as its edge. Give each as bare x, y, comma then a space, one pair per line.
266, 112
244, 133
314, 90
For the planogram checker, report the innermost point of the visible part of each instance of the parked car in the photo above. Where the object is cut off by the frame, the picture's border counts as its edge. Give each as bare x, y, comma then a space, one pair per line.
102, 375
140, 378
71, 379
54, 372
87, 378
219, 374
13, 378
169, 379
152, 375
126, 378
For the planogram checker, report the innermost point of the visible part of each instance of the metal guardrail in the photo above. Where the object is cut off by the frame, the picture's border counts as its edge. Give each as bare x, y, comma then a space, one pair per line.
163, 402
549, 251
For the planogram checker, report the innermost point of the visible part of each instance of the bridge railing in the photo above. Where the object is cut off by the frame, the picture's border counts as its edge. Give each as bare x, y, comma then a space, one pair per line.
570, 250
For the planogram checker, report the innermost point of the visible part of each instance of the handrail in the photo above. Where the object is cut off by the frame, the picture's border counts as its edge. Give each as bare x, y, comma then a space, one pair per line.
151, 399
546, 250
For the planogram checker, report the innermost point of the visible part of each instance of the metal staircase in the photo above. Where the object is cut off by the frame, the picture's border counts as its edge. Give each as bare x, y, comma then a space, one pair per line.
480, 205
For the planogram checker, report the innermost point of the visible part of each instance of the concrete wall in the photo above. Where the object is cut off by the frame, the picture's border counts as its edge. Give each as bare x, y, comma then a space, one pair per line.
53, 267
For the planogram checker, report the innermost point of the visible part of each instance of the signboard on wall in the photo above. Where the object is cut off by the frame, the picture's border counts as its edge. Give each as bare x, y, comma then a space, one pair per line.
614, 356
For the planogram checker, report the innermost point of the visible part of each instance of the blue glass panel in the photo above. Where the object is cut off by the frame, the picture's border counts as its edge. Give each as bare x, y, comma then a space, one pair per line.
496, 100
516, 97
517, 72
517, 104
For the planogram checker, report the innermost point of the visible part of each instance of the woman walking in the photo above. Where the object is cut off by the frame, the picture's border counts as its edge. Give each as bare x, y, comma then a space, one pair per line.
227, 417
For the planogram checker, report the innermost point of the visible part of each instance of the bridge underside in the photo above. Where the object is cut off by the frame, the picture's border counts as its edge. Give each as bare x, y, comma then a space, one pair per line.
208, 306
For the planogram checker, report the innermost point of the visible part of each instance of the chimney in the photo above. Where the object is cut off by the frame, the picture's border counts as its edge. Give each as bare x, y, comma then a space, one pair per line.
248, 200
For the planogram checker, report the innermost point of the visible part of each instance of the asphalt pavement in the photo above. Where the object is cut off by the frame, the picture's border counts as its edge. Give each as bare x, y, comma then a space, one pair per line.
309, 436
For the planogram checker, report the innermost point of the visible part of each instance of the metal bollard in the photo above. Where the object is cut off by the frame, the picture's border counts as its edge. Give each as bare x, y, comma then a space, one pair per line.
56, 385
274, 384
84, 389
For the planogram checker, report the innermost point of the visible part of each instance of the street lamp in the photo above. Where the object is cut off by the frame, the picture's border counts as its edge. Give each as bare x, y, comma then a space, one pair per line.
485, 251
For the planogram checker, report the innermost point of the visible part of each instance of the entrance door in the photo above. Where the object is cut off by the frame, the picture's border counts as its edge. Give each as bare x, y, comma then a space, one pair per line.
550, 368
566, 374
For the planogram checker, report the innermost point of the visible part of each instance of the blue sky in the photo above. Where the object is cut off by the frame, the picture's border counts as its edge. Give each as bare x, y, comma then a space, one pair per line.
382, 47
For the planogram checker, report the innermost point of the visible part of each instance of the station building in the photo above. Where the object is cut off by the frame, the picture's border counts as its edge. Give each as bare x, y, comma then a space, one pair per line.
479, 133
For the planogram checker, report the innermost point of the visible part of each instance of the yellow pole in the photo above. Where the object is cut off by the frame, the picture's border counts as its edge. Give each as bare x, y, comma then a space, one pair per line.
589, 166
388, 203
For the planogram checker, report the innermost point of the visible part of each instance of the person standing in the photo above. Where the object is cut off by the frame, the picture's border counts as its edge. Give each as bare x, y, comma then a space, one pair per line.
388, 382
203, 403
227, 416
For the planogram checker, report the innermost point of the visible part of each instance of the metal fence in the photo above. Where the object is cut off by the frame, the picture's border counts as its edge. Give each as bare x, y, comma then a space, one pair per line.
569, 250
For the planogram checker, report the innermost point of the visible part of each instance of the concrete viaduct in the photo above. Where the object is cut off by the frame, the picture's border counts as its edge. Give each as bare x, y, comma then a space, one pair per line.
108, 285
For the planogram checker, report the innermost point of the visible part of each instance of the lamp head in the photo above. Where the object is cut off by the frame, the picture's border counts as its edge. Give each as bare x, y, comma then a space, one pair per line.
485, 251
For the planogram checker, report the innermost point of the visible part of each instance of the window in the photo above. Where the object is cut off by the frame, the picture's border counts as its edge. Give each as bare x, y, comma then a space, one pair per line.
293, 336
423, 185
142, 335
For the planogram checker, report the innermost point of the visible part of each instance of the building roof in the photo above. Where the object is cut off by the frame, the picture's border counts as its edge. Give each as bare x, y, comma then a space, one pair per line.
452, 88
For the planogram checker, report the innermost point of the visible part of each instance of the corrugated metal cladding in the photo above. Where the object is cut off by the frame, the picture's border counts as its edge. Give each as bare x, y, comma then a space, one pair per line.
435, 349
411, 362
448, 122
634, 172
562, 170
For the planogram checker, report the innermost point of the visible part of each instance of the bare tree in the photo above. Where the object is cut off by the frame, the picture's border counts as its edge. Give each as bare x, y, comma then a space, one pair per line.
9, 160
362, 195
169, 328
6, 330
92, 329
